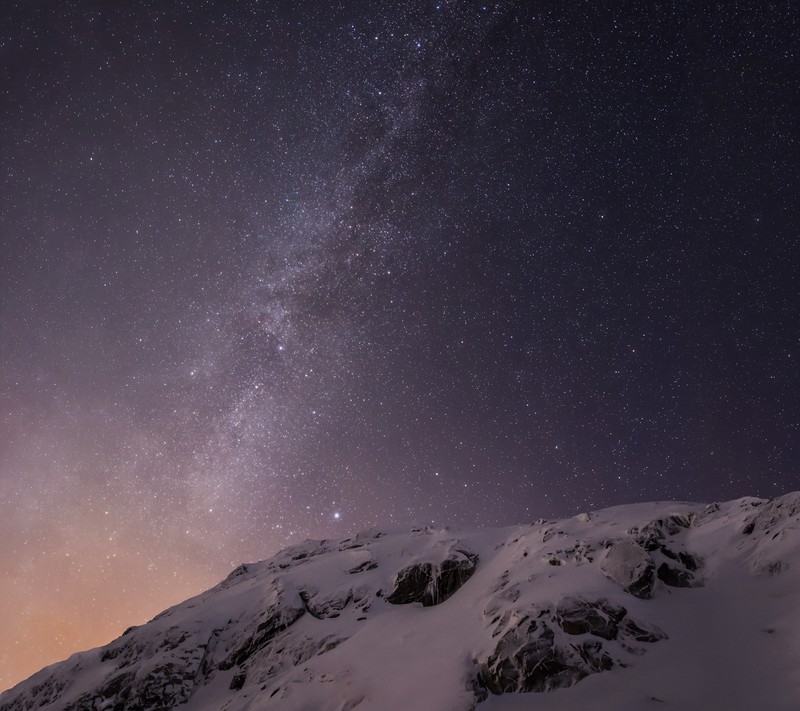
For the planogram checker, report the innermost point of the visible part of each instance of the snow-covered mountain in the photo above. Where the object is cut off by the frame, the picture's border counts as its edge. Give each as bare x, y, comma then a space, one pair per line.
647, 606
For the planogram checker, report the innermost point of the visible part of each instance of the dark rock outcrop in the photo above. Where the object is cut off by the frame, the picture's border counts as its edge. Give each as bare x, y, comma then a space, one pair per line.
363, 567
651, 535
600, 618
641, 632
277, 620
533, 655
431, 583
528, 660
674, 577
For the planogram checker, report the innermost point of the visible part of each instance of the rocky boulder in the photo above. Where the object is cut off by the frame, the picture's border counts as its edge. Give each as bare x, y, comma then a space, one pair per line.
630, 567
433, 583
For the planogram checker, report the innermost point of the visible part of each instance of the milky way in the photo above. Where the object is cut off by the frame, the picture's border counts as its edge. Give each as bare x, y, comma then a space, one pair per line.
277, 270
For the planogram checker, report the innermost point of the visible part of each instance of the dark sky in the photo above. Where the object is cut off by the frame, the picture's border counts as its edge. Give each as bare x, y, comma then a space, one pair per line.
276, 270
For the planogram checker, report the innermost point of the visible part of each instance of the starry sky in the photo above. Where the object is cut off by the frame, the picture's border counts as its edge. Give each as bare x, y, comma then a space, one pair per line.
273, 270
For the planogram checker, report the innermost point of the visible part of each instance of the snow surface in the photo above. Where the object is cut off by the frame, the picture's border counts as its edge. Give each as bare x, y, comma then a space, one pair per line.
731, 636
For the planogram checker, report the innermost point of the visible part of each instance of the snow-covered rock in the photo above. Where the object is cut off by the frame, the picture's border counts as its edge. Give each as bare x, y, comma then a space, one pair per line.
664, 605
433, 582
538, 654
631, 567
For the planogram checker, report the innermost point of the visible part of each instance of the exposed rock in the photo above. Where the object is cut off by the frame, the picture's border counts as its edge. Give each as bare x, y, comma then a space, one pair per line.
595, 658
690, 562
528, 661
775, 512
642, 632
321, 606
411, 585
709, 512
532, 656
474, 683
278, 619
652, 534
630, 567
361, 539
681, 572
164, 687
430, 583
600, 618
238, 681
363, 567
674, 577
242, 569
576, 553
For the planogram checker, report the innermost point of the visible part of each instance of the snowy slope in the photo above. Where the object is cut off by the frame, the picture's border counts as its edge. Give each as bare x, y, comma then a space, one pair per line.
658, 606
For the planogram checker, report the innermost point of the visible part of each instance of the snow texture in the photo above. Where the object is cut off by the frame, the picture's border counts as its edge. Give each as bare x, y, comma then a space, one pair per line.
658, 606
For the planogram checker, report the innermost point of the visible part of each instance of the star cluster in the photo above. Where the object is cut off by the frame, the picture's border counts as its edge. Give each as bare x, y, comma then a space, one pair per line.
278, 270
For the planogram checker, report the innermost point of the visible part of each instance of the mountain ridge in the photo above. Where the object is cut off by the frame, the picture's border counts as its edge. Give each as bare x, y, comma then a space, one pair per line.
660, 605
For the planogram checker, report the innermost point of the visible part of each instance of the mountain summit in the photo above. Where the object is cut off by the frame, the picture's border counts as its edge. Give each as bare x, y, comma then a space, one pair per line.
645, 606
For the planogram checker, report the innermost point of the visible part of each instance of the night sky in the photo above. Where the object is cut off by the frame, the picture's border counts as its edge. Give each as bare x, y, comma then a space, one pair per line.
275, 270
